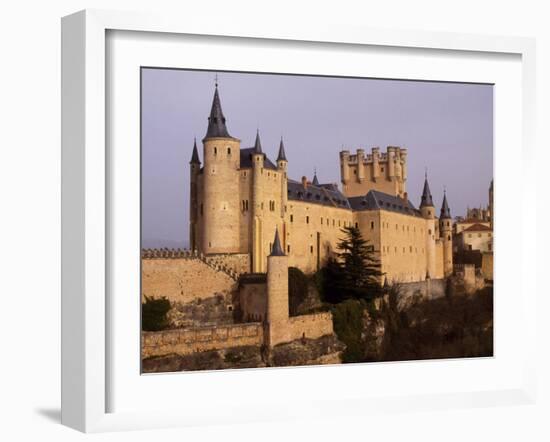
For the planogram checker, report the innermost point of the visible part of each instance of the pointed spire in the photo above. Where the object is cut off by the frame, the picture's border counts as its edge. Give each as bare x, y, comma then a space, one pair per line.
315, 181
445, 211
426, 194
277, 250
258, 144
282, 155
195, 155
216, 120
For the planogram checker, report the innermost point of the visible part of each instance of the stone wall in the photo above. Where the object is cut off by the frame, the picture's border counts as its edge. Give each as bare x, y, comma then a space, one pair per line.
236, 262
184, 279
252, 300
183, 342
311, 326
487, 265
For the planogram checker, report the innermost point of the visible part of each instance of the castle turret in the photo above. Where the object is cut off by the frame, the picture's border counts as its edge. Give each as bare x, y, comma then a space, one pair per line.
344, 167
360, 165
220, 185
257, 206
193, 197
282, 164
445, 232
277, 329
428, 212
375, 164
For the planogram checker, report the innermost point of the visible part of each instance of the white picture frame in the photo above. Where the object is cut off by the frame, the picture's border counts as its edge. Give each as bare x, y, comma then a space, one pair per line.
86, 202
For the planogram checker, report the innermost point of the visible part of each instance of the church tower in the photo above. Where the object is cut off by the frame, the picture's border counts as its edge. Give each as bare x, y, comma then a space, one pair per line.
220, 211
445, 232
428, 212
277, 294
193, 198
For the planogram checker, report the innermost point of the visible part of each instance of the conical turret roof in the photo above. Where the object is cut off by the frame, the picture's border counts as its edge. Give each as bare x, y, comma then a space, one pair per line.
258, 143
195, 155
315, 181
426, 200
216, 120
277, 250
282, 155
445, 211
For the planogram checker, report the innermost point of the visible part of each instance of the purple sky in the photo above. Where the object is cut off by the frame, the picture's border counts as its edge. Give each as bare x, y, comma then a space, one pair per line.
446, 127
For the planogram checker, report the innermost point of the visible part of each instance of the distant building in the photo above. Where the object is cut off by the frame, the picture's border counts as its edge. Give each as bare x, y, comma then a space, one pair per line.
476, 237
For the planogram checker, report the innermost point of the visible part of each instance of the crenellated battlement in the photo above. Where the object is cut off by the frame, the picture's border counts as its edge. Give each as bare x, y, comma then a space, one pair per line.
382, 171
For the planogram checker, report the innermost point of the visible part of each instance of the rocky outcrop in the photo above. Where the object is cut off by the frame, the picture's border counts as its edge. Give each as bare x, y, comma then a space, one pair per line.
324, 350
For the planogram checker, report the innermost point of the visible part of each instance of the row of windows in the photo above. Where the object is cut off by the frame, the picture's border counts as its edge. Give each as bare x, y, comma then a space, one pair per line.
216, 151
245, 208
395, 249
479, 235
326, 221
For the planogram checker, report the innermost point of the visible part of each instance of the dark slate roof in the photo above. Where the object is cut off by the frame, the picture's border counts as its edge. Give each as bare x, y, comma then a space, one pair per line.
246, 159
325, 194
195, 156
315, 181
277, 250
426, 195
375, 200
216, 120
445, 211
282, 155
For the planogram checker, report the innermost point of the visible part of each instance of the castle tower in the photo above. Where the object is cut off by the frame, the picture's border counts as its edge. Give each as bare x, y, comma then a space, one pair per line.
428, 212
362, 172
220, 209
277, 295
282, 164
193, 197
445, 229
258, 159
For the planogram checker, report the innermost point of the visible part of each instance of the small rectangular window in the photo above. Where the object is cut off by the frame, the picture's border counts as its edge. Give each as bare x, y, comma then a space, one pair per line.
372, 225
291, 218
307, 219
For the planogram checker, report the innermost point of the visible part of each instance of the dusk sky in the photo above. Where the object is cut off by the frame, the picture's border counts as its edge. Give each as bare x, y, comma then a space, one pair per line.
446, 128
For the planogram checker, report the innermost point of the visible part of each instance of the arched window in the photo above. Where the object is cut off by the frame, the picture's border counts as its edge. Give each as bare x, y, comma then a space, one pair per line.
215, 151
228, 151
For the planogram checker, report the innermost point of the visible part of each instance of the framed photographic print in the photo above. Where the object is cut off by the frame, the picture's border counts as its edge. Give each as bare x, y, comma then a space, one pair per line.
262, 220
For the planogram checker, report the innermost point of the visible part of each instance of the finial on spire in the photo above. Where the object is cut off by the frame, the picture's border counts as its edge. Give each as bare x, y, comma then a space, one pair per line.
216, 80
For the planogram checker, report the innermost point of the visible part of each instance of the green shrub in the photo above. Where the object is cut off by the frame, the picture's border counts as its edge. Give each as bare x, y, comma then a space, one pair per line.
297, 289
347, 320
154, 314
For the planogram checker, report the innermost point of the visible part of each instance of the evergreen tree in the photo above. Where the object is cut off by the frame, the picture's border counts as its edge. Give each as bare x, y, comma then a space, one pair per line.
355, 274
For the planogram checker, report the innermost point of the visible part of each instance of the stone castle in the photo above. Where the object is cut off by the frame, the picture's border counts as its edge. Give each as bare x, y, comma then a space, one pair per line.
249, 222
239, 198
